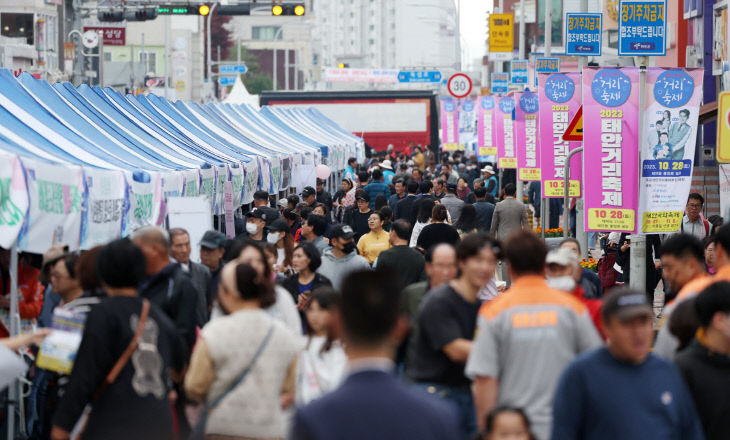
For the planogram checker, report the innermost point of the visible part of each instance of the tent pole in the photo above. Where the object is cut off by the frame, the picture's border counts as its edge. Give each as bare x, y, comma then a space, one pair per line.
13, 330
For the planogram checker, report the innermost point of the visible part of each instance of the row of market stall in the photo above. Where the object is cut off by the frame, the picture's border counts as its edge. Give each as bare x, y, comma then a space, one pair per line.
84, 165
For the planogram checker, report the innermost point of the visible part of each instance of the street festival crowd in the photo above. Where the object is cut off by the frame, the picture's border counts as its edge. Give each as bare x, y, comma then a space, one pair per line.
416, 302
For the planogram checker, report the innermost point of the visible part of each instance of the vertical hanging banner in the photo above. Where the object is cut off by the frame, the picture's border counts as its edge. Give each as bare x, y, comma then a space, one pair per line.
467, 122
611, 127
13, 199
108, 203
486, 145
668, 148
251, 181
559, 102
528, 153
145, 199
505, 133
191, 183
519, 69
449, 125
56, 199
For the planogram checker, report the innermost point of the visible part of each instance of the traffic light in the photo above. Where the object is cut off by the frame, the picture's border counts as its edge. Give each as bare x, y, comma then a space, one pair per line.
183, 10
343, 65
140, 14
297, 9
110, 16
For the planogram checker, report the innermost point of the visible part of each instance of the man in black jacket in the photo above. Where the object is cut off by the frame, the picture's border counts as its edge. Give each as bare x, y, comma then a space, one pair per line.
323, 196
167, 285
404, 209
200, 275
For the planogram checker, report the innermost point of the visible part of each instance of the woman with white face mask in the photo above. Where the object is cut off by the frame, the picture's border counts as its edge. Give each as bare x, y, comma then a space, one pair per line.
280, 237
563, 272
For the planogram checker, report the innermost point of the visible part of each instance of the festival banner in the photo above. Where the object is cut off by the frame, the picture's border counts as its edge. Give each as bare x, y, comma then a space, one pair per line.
191, 183
559, 102
670, 120
264, 174
107, 205
56, 198
467, 122
275, 175
486, 145
13, 199
449, 125
173, 184
251, 181
505, 134
221, 177
235, 175
528, 152
145, 200
611, 127
207, 184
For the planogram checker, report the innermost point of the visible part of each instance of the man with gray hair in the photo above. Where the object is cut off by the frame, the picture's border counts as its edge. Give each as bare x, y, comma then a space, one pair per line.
180, 249
167, 285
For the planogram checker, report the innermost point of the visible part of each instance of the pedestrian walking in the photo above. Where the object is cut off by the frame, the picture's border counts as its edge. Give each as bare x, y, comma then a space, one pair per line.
402, 260
180, 249
484, 209
437, 231
423, 219
342, 258
452, 203
305, 262
638, 396
376, 241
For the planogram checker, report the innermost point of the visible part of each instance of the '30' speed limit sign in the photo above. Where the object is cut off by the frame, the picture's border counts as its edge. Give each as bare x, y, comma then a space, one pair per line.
459, 85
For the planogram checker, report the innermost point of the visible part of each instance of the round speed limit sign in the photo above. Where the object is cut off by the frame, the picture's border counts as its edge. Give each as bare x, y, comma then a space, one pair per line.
459, 85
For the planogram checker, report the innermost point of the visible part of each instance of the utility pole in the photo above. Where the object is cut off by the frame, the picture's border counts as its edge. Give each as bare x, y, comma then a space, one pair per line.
580, 233
520, 185
548, 28
637, 270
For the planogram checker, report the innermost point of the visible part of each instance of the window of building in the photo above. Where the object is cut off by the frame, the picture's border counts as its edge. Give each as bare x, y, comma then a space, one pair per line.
372, 27
557, 25
107, 56
371, 42
149, 59
266, 32
17, 26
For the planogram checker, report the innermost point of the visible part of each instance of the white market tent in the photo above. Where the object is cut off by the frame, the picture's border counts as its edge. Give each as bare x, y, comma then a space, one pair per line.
240, 95
85, 165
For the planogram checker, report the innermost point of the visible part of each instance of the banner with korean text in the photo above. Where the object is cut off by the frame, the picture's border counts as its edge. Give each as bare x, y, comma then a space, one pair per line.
467, 122
13, 199
559, 102
670, 121
56, 195
449, 125
528, 153
505, 133
611, 127
486, 145
107, 207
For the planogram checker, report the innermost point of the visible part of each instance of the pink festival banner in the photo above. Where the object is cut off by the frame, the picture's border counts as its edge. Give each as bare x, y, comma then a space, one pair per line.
449, 125
486, 142
505, 133
611, 127
528, 152
559, 102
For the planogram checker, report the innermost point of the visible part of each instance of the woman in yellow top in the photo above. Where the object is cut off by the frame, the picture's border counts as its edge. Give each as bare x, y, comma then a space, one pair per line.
375, 241
418, 158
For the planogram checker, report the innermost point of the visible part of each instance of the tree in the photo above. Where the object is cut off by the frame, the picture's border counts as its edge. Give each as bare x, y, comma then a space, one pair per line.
254, 81
220, 36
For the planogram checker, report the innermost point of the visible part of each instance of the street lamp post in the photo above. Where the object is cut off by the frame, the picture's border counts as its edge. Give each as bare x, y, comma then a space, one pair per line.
275, 70
210, 57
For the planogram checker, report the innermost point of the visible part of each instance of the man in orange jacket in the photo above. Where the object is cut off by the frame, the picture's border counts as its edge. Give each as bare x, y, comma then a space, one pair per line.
30, 298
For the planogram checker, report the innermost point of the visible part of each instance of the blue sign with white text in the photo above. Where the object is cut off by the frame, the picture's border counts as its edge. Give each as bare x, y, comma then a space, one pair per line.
419, 76
519, 71
228, 68
500, 82
583, 34
227, 80
642, 27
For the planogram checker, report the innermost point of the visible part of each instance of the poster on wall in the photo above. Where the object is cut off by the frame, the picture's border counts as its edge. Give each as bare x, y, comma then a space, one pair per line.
611, 122
13, 199
528, 153
449, 125
486, 145
670, 132
559, 102
107, 207
56, 199
505, 133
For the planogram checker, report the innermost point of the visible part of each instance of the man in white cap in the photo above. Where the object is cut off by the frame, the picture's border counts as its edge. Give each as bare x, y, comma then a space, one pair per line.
491, 181
387, 167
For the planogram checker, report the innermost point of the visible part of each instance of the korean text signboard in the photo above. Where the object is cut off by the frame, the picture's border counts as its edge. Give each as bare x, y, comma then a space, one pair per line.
642, 27
500, 82
518, 69
113, 36
467, 121
486, 145
528, 154
505, 133
559, 102
546, 65
501, 32
611, 123
668, 148
583, 34
449, 124
13, 199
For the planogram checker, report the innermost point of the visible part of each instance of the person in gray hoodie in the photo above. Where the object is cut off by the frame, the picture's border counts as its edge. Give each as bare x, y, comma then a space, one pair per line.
342, 258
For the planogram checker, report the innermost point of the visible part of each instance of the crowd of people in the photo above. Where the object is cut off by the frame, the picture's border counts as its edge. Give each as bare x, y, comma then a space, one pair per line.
417, 301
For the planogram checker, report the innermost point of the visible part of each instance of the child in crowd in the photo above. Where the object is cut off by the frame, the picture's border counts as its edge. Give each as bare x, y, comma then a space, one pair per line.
507, 423
322, 363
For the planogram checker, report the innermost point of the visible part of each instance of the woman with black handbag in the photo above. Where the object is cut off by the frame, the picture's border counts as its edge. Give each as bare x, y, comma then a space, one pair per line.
244, 364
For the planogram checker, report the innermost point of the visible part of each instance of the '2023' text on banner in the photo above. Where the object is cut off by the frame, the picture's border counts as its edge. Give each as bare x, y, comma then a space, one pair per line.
449, 125
528, 152
559, 102
486, 145
611, 127
670, 122
505, 132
